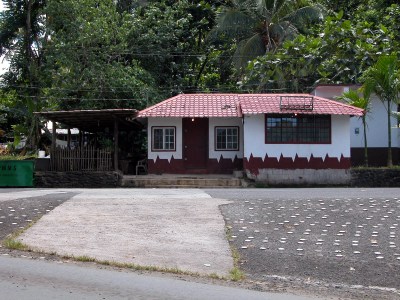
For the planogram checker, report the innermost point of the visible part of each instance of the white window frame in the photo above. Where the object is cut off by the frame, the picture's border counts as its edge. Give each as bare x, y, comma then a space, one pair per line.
165, 142
226, 138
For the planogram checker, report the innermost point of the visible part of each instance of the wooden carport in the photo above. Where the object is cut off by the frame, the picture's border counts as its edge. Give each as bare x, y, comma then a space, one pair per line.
93, 121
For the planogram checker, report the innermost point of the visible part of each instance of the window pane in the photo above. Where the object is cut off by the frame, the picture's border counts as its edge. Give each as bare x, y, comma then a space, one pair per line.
226, 138
221, 138
298, 129
157, 138
164, 138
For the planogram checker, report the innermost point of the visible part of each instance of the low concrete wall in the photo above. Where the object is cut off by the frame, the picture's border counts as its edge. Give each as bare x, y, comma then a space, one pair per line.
375, 177
77, 179
305, 177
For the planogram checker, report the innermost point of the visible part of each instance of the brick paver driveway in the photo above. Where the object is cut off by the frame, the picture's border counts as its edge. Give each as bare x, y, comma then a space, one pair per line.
19, 207
335, 236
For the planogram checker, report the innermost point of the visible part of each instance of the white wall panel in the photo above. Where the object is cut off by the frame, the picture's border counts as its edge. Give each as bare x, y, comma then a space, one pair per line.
176, 122
213, 122
254, 141
377, 135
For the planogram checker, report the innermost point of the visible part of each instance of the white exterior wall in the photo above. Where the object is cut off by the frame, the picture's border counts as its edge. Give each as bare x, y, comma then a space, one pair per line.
177, 122
254, 141
332, 91
213, 122
377, 135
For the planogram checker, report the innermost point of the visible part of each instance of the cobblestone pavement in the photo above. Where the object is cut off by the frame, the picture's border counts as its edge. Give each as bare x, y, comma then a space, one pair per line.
19, 207
339, 236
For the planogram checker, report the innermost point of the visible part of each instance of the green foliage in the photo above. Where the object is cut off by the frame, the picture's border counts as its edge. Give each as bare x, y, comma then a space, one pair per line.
21, 40
236, 274
383, 79
348, 7
168, 40
8, 111
87, 64
353, 97
14, 244
85, 258
290, 69
259, 27
338, 52
77, 54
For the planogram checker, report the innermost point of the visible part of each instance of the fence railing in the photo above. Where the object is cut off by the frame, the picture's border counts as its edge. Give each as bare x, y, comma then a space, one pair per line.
86, 158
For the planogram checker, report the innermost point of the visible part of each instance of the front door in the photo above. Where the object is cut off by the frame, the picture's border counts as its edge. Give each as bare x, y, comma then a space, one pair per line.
195, 143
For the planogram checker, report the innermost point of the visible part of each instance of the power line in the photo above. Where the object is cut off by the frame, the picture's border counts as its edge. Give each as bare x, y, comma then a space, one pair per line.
135, 99
123, 89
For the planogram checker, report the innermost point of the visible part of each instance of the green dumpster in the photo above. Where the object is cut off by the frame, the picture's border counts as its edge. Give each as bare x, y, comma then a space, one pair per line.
14, 173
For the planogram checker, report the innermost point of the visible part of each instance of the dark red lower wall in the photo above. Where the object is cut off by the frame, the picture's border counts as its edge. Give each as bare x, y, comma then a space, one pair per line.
253, 164
177, 166
377, 157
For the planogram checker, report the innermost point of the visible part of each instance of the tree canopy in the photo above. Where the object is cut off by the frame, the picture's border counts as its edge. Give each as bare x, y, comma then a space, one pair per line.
67, 54
262, 26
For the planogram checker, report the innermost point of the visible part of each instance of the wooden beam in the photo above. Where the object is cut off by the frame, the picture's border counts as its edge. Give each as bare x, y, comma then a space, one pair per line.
129, 124
116, 144
53, 138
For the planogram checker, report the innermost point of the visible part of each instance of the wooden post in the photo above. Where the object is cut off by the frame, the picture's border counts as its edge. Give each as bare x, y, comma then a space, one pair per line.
69, 138
53, 138
80, 138
116, 144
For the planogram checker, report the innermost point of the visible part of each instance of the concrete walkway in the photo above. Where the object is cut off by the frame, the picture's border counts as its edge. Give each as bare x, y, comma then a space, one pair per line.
169, 228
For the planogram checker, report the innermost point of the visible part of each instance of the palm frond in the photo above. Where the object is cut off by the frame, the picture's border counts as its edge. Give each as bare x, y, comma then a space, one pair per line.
304, 16
247, 50
353, 97
283, 9
250, 7
265, 6
233, 24
282, 31
383, 78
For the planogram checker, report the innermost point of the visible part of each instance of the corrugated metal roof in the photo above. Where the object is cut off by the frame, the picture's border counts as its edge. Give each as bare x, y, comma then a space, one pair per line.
233, 105
94, 120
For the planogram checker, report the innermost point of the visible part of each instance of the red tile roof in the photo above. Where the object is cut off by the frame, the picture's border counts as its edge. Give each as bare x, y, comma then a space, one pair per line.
233, 105
294, 103
195, 106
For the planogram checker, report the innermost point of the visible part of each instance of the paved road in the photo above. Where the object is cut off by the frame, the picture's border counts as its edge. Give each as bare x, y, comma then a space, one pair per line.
29, 279
338, 236
333, 237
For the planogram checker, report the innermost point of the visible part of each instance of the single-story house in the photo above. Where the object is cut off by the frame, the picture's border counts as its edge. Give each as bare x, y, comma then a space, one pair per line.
377, 134
274, 138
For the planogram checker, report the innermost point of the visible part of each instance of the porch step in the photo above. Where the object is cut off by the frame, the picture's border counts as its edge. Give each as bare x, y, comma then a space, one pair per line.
180, 181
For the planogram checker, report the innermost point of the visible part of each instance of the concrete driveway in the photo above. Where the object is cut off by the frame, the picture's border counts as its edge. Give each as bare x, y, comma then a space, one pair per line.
166, 228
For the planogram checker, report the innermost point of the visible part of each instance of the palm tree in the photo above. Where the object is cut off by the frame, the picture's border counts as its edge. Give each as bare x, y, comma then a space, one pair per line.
383, 79
260, 26
353, 98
